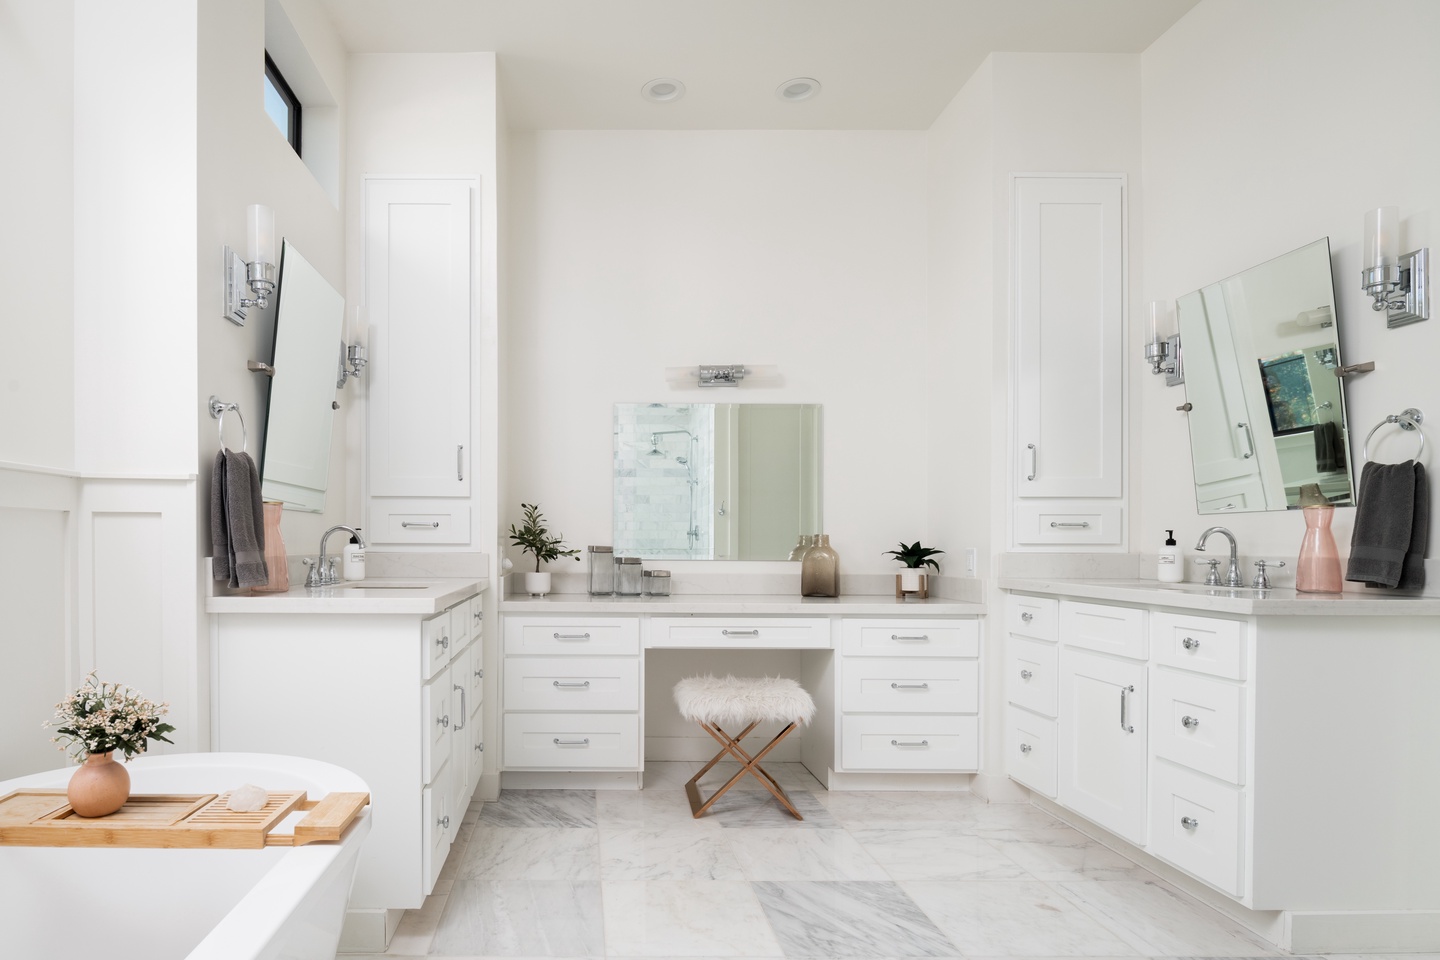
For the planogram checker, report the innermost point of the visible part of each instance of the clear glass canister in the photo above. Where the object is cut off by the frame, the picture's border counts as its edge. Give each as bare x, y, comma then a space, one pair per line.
657, 583
602, 570
627, 576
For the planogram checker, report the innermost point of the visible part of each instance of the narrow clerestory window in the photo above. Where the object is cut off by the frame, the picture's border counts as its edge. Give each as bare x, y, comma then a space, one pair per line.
281, 104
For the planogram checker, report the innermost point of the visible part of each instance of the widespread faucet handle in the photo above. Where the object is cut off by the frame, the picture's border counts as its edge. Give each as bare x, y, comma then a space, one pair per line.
1212, 576
1261, 581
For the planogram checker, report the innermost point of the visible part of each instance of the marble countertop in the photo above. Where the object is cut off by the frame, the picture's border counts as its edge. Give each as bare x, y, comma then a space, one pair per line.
421, 597
1278, 601
721, 604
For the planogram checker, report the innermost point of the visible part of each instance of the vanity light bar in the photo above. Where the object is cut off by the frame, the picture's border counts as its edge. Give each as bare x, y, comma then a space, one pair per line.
722, 375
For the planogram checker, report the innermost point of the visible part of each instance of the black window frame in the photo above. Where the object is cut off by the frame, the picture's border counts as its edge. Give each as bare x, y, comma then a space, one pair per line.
292, 102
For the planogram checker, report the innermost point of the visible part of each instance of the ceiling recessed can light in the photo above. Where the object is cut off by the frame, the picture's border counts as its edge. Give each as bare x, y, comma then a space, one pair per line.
663, 89
800, 88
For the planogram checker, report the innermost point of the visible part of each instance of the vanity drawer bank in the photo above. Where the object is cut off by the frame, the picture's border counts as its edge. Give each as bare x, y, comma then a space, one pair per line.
896, 684
383, 678
1273, 753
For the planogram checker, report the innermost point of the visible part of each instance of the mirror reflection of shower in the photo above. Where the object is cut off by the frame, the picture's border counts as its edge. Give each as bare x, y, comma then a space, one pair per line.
692, 527
665, 481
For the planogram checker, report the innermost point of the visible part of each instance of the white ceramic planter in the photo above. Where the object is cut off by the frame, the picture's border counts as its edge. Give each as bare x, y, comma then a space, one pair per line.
911, 578
535, 584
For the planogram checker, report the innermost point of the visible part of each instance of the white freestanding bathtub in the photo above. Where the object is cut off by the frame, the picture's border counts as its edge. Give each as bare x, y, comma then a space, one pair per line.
279, 903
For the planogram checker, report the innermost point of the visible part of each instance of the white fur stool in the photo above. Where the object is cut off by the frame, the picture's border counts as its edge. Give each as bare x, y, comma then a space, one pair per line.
736, 702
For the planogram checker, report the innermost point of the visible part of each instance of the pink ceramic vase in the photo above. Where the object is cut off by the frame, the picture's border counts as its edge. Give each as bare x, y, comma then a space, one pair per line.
1318, 568
99, 787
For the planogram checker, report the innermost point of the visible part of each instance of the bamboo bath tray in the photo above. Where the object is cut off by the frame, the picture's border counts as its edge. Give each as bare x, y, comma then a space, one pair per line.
44, 818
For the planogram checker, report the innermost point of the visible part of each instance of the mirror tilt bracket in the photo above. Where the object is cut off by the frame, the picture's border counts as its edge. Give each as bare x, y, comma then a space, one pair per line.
255, 366
1350, 369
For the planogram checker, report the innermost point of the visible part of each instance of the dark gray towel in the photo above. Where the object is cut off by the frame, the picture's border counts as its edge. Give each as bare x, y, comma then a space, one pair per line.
219, 532
1327, 439
1387, 546
245, 521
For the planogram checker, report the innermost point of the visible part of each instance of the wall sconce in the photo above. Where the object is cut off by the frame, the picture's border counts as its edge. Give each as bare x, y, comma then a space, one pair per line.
352, 363
258, 272
1162, 347
1399, 285
722, 375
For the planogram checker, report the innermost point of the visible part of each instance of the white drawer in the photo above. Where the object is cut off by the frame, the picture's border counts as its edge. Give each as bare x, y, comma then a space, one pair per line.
436, 832
1198, 722
435, 708
910, 685
460, 625
1068, 522
472, 676
1031, 616
1030, 756
920, 743
575, 684
572, 741
1197, 825
1203, 644
1032, 674
1099, 626
418, 521
438, 646
578, 637
739, 633
911, 638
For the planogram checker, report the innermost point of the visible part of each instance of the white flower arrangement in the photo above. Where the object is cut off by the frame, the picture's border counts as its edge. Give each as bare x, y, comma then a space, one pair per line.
104, 717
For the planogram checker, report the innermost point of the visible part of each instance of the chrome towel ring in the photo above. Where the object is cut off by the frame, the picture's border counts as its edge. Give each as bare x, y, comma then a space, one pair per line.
1407, 419
218, 409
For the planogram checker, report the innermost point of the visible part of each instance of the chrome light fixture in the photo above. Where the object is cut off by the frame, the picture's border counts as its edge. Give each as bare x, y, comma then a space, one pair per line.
723, 375
352, 363
1398, 285
258, 272
1162, 347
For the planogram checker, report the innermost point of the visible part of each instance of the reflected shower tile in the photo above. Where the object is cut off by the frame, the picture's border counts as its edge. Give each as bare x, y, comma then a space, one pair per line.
999, 918
862, 919
935, 854
521, 918
667, 853
686, 918
1160, 921
530, 853
802, 855
541, 808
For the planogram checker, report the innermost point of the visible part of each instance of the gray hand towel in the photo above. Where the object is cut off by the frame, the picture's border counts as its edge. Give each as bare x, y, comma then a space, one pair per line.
245, 521
219, 526
1326, 440
1413, 576
1385, 525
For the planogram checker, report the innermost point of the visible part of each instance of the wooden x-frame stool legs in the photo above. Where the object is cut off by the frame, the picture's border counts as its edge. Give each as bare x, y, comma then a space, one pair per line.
751, 765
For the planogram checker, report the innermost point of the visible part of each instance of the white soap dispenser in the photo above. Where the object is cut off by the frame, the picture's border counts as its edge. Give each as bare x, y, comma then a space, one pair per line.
354, 561
1171, 568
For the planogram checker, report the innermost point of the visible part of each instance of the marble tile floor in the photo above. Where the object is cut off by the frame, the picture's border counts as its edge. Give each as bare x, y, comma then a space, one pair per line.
873, 876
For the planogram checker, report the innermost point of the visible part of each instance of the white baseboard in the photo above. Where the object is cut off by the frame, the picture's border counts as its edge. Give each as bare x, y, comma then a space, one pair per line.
948, 782
1403, 931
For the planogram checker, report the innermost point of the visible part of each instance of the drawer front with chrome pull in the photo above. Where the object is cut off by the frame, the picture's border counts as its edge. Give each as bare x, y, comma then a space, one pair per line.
437, 645
1068, 522
1031, 675
1195, 823
738, 633
572, 741
437, 705
1202, 644
1035, 617
920, 743
1030, 750
577, 637
418, 521
910, 638
1198, 722
571, 684
910, 685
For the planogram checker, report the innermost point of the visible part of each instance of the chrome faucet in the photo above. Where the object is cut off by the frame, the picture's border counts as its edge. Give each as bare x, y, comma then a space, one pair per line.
1232, 576
322, 572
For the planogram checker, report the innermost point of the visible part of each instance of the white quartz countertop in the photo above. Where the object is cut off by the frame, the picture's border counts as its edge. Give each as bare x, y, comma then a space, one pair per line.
1278, 601
421, 597
760, 604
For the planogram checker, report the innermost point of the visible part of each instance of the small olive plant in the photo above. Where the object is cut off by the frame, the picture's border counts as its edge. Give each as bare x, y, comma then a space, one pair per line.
534, 538
915, 556
104, 717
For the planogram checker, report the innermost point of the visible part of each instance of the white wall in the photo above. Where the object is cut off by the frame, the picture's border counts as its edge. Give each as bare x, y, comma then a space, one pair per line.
633, 251
1256, 141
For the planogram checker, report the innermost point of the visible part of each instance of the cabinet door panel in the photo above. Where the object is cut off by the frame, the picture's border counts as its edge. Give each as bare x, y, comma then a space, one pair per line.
1102, 741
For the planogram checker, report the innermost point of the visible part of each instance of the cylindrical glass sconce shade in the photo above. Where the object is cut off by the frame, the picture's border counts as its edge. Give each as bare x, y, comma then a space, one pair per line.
1382, 237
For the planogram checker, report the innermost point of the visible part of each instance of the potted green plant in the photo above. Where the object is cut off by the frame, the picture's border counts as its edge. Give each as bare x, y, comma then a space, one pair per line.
534, 538
912, 581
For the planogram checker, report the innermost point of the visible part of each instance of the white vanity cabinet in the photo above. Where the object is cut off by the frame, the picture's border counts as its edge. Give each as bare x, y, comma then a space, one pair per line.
418, 289
1032, 689
1069, 281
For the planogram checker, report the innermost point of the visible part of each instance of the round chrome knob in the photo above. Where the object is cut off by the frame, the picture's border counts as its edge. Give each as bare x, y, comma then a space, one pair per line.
444, 721
444, 822
1190, 643
443, 642
1189, 723
1026, 674
1189, 823
1026, 748
1026, 617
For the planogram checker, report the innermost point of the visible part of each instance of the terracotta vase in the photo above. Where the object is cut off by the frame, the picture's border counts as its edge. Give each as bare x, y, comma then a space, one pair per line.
99, 787
275, 563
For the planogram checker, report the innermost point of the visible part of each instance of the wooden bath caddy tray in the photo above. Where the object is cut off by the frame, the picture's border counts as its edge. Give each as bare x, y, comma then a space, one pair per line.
44, 818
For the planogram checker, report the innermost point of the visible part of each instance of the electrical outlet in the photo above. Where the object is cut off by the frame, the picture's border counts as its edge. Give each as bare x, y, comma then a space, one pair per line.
972, 561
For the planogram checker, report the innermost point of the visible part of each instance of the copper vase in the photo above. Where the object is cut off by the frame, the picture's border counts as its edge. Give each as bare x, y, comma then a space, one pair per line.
99, 787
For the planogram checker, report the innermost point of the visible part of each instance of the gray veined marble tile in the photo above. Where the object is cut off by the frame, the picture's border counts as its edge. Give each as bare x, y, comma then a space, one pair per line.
661, 807
541, 808
802, 855
1162, 922
1014, 919
686, 918
521, 918
759, 808
680, 852
1061, 853
531, 853
929, 853
940, 810
861, 919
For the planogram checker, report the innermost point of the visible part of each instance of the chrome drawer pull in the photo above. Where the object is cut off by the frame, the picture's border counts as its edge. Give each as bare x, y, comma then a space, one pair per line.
480, 747
570, 683
739, 633
443, 642
480, 674
443, 721
909, 686
1081, 524
1190, 643
1125, 709
1189, 823
1026, 748
922, 638
444, 822
1189, 723
477, 615
433, 524
572, 743
909, 743
460, 462
463, 712
572, 636
1026, 617
1034, 461
1026, 674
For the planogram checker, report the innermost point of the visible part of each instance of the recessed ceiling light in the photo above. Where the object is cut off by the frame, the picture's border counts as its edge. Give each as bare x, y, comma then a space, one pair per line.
801, 88
663, 89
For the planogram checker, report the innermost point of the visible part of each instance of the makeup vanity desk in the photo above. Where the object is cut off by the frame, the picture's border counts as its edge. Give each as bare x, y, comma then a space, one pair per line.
896, 683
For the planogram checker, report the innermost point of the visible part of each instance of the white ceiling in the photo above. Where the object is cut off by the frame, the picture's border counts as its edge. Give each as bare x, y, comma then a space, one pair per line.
883, 64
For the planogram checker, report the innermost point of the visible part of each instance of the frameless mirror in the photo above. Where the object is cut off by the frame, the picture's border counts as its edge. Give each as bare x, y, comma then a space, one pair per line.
308, 318
715, 481
1267, 413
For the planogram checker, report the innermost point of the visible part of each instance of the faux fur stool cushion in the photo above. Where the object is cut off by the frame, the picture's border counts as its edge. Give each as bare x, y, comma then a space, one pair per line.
730, 702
